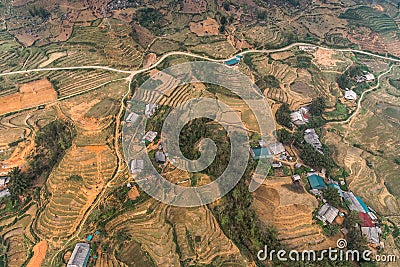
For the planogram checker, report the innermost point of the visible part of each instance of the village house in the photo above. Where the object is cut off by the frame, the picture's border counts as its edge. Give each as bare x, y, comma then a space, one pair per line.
311, 137
5, 193
150, 136
160, 157
300, 117
350, 95
354, 202
136, 165
316, 181
79, 256
296, 178
150, 110
327, 213
372, 234
276, 148
260, 153
132, 117
4, 180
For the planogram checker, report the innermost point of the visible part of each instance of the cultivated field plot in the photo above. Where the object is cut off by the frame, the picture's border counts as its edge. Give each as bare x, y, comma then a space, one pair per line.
70, 197
289, 209
30, 95
194, 231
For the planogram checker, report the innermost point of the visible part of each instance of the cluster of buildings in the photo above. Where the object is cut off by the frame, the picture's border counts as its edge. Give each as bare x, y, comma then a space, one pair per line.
328, 213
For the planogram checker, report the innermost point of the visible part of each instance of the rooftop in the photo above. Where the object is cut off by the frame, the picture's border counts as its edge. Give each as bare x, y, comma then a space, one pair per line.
353, 202
327, 213
79, 256
316, 181
276, 148
260, 153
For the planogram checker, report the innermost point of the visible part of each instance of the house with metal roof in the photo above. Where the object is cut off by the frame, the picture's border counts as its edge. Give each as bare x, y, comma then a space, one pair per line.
136, 165
372, 234
350, 95
316, 181
79, 256
132, 117
260, 153
365, 220
312, 138
276, 148
150, 136
353, 202
160, 157
150, 110
327, 213
4, 180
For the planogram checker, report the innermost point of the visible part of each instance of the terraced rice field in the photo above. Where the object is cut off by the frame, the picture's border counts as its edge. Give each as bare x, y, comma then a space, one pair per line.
70, 199
258, 35
17, 249
277, 202
170, 235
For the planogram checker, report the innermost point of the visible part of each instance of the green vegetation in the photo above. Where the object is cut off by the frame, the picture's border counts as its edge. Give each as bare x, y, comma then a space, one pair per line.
75, 178
283, 116
50, 144
347, 79
317, 106
269, 81
370, 17
332, 196
355, 238
198, 129
331, 229
39, 11
340, 112
151, 19
303, 62
240, 222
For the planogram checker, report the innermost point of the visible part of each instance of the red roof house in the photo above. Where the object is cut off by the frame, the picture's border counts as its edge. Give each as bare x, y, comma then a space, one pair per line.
365, 220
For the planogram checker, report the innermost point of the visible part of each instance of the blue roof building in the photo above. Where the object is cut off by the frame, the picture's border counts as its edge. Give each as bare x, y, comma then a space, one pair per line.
233, 61
316, 182
89, 238
260, 153
366, 210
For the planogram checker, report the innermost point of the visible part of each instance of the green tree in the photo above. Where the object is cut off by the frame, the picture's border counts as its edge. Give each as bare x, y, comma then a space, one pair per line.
283, 116
332, 196
317, 106
19, 182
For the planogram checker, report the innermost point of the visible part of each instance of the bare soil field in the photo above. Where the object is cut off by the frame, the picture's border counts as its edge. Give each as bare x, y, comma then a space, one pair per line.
149, 59
325, 57
206, 27
133, 193
51, 58
39, 253
30, 94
